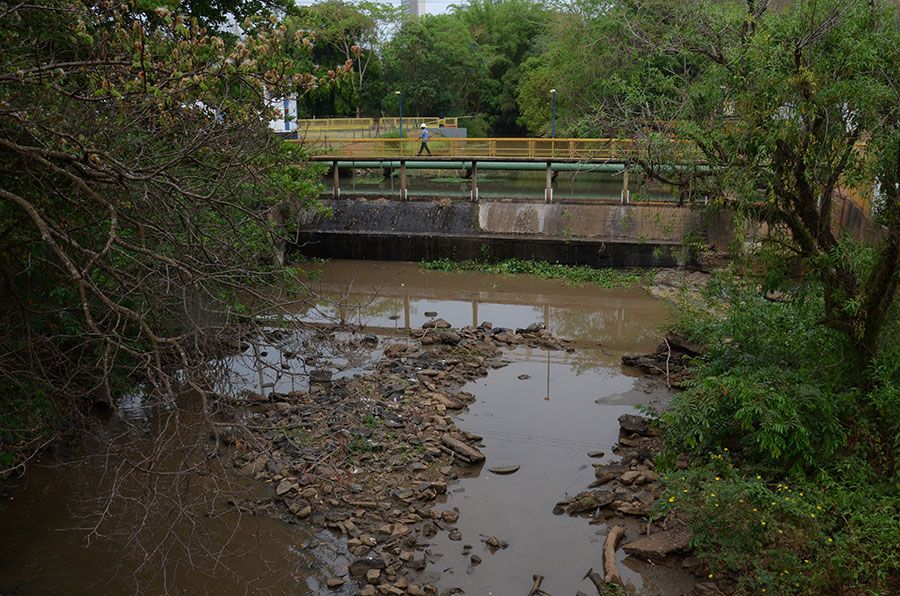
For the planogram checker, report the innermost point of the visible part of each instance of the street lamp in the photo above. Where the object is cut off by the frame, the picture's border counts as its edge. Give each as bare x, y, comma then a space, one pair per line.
553, 113
401, 112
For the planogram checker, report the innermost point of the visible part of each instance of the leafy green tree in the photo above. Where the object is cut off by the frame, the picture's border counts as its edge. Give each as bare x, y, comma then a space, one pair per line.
508, 32
788, 109
438, 65
345, 35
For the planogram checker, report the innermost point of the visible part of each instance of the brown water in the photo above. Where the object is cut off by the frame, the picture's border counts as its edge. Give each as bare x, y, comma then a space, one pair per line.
546, 423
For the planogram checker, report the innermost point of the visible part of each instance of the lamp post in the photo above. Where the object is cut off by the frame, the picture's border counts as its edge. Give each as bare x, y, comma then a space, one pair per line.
401, 112
553, 113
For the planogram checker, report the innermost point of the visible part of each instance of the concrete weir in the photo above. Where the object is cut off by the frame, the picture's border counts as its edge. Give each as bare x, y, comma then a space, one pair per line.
594, 233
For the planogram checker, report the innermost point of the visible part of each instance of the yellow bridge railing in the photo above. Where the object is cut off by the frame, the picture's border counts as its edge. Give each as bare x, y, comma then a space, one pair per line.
329, 124
513, 148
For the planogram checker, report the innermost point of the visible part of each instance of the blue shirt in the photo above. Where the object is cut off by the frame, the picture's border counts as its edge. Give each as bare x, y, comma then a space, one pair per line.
425, 134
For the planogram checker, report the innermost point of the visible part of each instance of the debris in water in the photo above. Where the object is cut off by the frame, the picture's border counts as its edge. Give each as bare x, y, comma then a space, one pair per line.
504, 469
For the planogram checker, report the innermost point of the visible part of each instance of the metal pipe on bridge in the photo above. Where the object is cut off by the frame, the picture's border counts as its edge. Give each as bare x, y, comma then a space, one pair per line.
484, 165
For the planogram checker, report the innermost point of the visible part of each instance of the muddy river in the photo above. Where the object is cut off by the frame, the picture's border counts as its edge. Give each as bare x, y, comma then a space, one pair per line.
544, 412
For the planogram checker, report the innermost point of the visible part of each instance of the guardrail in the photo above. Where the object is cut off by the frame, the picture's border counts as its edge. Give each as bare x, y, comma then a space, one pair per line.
388, 123
512, 148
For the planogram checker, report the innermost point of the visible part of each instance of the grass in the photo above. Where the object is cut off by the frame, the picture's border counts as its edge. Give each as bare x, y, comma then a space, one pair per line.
576, 274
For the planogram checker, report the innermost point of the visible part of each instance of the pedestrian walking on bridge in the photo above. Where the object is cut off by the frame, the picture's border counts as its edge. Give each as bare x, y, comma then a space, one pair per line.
424, 136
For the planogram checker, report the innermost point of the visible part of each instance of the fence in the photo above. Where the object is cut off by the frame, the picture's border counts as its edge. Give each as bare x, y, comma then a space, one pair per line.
350, 124
512, 148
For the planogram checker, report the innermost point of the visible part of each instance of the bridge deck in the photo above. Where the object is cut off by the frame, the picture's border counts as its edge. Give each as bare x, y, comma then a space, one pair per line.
500, 149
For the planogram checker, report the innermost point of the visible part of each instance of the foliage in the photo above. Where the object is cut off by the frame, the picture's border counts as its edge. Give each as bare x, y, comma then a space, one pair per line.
789, 457
141, 195
345, 36
437, 65
815, 536
579, 274
791, 110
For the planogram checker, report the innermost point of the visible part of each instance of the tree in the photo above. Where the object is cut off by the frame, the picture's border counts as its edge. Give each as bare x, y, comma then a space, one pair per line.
437, 65
787, 108
141, 195
508, 31
351, 34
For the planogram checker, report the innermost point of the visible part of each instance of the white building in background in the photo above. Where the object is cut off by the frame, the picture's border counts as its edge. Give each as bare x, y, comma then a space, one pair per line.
415, 7
286, 111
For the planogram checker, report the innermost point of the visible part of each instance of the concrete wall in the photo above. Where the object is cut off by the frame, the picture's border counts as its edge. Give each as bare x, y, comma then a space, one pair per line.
576, 233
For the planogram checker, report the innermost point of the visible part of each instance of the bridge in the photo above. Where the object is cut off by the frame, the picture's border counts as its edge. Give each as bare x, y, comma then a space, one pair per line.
549, 154
611, 232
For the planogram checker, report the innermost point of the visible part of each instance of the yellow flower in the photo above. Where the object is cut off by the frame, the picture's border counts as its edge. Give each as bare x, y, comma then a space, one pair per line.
671, 499
710, 576
829, 540
717, 478
762, 522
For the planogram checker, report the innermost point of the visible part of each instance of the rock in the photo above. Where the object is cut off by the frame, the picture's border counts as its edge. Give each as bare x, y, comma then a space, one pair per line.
394, 350
368, 540
690, 563
630, 477
370, 339
415, 590
455, 535
585, 502
463, 451
511, 469
448, 401
660, 545
367, 591
334, 582
451, 517
637, 425
707, 589
430, 313
596, 454
373, 575
284, 487
436, 324
256, 466
523, 377
303, 512
360, 567
495, 543
401, 583
448, 337
320, 375
475, 560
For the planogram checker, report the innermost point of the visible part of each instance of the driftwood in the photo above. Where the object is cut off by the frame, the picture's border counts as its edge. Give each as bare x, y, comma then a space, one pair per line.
609, 555
462, 450
536, 586
598, 581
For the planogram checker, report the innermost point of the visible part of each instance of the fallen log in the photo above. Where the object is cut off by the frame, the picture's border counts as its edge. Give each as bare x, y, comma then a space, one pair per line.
609, 555
536, 586
467, 452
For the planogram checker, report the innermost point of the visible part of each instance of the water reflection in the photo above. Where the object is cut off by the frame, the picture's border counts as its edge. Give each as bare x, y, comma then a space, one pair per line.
392, 296
503, 184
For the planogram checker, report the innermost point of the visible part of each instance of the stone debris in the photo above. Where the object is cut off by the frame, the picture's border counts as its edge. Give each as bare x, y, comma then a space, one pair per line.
670, 360
503, 470
661, 544
367, 456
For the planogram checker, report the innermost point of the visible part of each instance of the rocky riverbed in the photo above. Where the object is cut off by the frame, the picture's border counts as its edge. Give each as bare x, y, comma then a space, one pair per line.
367, 456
